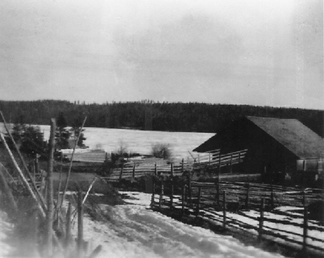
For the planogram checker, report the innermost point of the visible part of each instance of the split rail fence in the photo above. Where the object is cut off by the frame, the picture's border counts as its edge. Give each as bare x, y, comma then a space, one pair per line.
246, 209
212, 161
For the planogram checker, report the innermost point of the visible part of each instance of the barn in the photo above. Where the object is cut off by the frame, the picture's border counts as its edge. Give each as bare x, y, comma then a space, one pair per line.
279, 149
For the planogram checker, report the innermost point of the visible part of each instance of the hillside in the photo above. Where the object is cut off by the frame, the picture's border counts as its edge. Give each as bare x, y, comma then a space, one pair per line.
148, 115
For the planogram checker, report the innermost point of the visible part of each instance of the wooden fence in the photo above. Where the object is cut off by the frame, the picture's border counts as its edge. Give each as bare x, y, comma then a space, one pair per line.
212, 162
246, 208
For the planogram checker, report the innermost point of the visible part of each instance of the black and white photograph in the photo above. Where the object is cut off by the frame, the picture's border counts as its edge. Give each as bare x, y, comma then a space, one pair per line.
161, 128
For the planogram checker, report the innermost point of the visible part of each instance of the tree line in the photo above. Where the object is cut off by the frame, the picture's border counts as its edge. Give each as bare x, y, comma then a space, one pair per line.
30, 139
149, 115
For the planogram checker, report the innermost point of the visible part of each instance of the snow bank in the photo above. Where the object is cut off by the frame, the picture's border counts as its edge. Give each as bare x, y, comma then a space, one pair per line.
135, 231
5, 229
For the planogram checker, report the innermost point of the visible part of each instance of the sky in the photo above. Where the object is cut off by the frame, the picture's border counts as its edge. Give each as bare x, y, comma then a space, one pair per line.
258, 52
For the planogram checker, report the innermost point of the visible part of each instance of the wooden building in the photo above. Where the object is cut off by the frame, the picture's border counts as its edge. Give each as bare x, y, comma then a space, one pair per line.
274, 146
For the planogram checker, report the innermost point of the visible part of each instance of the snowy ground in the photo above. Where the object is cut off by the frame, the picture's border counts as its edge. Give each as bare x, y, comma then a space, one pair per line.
133, 230
284, 225
136, 231
5, 230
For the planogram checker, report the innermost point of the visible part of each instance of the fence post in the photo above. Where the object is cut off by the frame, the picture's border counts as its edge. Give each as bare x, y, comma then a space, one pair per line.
217, 192
153, 192
219, 166
198, 201
36, 164
183, 199
231, 164
80, 224
272, 198
189, 189
305, 229
161, 194
224, 210
171, 193
134, 171
261, 219
172, 171
304, 199
155, 169
247, 196
121, 172
182, 166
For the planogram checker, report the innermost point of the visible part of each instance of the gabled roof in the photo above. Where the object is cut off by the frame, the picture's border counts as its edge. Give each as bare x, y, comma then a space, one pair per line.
290, 133
293, 135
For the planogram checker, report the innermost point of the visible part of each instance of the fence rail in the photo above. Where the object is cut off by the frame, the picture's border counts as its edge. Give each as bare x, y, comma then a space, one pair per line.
247, 208
214, 163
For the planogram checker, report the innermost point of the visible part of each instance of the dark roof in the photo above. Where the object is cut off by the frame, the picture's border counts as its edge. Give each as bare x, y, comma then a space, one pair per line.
292, 134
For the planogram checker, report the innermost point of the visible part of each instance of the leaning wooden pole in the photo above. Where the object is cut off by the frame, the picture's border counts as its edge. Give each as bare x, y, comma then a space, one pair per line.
71, 164
49, 182
21, 175
32, 182
25, 183
7, 191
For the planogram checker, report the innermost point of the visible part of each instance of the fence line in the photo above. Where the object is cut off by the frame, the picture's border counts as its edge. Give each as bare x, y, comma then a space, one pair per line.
215, 160
210, 204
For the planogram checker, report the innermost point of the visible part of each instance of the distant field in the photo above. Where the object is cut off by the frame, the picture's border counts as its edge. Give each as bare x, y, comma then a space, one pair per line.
138, 141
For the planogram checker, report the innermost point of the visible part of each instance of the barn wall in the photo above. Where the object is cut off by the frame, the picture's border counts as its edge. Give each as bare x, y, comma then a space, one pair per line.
268, 156
263, 150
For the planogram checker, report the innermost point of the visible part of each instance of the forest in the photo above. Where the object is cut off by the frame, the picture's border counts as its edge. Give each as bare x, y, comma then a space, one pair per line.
149, 115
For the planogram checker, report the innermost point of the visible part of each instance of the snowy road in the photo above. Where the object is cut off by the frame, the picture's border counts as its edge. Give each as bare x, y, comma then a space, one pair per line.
135, 231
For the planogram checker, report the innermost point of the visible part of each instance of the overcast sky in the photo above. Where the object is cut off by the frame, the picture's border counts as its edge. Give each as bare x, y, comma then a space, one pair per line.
259, 52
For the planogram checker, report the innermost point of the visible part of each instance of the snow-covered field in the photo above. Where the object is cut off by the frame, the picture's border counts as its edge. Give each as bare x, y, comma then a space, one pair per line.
140, 141
136, 231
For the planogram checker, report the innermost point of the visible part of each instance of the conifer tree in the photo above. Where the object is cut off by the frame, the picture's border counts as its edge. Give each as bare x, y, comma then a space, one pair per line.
62, 134
76, 131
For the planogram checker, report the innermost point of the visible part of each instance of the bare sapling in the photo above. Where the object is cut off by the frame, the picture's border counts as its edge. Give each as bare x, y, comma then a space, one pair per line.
70, 167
